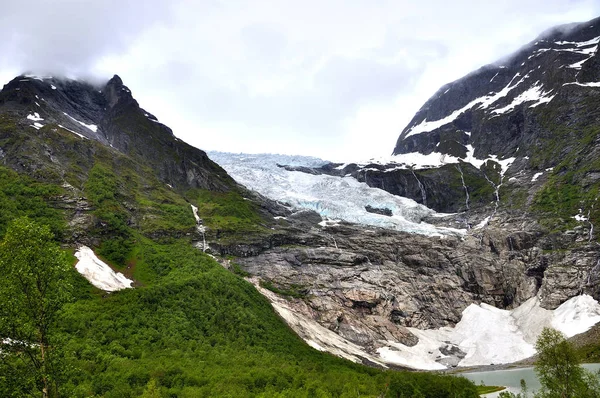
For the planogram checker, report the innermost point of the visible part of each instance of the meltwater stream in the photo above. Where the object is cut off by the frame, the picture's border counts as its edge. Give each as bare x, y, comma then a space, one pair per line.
334, 198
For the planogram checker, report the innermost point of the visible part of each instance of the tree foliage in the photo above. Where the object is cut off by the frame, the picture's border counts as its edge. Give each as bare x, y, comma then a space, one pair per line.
33, 288
559, 371
557, 366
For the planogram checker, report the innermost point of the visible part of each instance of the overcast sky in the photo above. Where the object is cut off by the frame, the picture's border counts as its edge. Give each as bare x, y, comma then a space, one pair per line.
328, 78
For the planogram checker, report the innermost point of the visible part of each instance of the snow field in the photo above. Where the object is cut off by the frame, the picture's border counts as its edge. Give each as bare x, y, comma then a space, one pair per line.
488, 335
99, 273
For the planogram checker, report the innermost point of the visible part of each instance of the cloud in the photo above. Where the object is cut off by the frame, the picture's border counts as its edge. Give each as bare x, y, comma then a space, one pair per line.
311, 77
69, 36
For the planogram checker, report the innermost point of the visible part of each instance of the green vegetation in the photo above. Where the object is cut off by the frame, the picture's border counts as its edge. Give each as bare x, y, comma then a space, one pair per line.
226, 211
236, 269
558, 369
587, 345
22, 196
489, 389
203, 331
293, 291
571, 186
102, 189
190, 328
34, 286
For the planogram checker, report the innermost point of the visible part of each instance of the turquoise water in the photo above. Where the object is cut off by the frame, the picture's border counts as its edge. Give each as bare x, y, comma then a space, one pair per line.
512, 377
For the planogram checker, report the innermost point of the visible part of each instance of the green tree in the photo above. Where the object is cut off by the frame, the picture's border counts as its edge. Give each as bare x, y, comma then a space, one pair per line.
559, 371
35, 284
152, 390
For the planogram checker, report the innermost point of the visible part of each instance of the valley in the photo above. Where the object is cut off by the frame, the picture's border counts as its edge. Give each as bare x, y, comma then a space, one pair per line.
218, 274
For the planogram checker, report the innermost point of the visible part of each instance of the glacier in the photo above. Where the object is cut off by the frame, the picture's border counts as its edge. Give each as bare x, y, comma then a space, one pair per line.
333, 197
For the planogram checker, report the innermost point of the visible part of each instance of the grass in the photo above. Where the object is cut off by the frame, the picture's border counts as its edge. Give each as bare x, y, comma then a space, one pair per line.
489, 389
293, 291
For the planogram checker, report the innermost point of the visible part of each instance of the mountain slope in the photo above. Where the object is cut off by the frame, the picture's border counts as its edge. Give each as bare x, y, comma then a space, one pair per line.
102, 172
539, 106
520, 117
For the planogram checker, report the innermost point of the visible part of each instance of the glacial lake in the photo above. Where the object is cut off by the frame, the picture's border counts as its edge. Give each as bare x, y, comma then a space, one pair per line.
511, 378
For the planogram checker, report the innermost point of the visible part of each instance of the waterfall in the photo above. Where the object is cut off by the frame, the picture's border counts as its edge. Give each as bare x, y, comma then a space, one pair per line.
496, 191
199, 227
462, 178
421, 187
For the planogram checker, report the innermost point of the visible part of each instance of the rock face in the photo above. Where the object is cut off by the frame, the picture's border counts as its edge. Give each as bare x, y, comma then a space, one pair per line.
369, 285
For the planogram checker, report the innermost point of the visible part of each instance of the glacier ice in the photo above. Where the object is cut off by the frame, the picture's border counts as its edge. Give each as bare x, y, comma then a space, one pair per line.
333, 197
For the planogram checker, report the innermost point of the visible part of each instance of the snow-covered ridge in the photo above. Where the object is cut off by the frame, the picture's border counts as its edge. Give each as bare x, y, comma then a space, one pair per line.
341, 198
98, 272
417, 160
535, 92
488, 335
482, 102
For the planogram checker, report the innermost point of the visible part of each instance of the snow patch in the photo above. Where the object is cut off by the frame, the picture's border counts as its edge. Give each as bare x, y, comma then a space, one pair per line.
74, 132
536, 176
488, 335
92, 127
591, 84
590, 42
534, 93
576, 315
40, 78
99, 273
37, 125
580, 217
483, 102
35, 117
417, 160
579, 65
483, 223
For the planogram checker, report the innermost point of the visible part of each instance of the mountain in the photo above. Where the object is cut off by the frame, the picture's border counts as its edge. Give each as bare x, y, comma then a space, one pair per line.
108, 115
476, 233
152, 312
510, 151
528, 117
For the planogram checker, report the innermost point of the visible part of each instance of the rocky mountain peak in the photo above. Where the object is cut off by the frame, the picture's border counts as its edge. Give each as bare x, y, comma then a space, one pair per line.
115, 80
110, 115
116, 92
